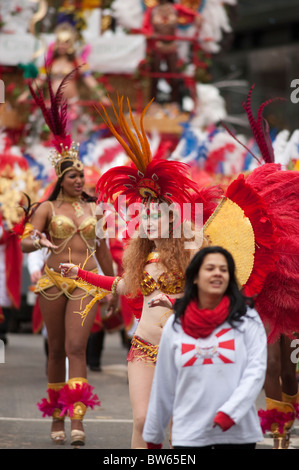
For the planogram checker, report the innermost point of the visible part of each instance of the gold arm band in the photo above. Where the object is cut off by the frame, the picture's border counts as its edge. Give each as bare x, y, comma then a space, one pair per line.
115, 284
36, 244
27, 230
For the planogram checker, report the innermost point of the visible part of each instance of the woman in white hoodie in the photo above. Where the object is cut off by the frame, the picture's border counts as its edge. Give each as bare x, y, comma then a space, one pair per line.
211, 362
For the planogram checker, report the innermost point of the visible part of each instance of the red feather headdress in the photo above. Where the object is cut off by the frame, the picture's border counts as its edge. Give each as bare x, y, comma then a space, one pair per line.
147, 178
56, 118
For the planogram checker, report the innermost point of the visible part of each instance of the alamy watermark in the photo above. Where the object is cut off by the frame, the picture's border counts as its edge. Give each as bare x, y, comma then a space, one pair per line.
151, 220
2, 92
295, 94
295, 353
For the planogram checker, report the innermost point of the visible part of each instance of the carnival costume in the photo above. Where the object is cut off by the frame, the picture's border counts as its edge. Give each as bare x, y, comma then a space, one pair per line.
66, 34
146, 180
172, 15
63, 228
257, 220
74, 397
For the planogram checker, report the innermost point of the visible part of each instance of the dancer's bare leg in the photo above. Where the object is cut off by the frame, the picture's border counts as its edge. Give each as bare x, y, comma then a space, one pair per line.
76, 337
53, 312
140, 376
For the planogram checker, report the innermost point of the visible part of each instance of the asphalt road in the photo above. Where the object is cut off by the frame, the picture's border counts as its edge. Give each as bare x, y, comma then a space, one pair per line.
23, 383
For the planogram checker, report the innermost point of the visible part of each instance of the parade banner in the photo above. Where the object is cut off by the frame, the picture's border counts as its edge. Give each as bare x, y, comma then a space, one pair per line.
112, 53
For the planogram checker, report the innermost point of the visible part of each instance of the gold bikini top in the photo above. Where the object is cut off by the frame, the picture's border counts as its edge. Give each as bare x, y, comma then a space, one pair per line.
167, 282
62, 227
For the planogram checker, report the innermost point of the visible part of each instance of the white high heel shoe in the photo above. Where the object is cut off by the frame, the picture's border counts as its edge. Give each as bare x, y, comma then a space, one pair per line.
77, 437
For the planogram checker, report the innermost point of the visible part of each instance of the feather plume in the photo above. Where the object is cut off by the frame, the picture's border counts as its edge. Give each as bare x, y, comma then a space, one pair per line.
169, 180
260, 127
28, 209
209, 197
278, 301
47, 407
269, 417
56, 114
80, 393
137, 149
146, 177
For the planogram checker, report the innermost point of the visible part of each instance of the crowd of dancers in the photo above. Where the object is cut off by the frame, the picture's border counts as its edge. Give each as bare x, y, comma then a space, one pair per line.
213, 289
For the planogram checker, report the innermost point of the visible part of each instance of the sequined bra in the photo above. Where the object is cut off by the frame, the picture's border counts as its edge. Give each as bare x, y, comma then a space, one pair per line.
62, 227
167, 282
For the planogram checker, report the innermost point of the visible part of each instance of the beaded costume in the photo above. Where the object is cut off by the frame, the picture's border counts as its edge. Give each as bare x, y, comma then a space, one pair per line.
74, 397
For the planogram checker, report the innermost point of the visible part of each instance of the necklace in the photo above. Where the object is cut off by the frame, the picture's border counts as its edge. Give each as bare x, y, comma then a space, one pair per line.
153, 257
78, 209
75, 203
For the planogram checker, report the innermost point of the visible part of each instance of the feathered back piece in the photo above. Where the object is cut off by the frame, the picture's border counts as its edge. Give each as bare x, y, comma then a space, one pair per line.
278, 301
147, 178
56, 117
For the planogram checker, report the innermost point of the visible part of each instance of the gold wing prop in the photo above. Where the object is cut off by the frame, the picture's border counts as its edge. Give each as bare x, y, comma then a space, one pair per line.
241, 225
230, 228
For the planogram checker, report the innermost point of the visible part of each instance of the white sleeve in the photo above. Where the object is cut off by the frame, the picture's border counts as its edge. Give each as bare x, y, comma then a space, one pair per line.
160, 406
253, 376
36, 260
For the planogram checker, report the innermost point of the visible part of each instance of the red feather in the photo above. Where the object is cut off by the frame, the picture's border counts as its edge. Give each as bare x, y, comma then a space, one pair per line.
257, 212
80, 393
56, 115
209, 197
269, 417
47, 407
19, 228
171, 177
260, 127
278, 301
155, 178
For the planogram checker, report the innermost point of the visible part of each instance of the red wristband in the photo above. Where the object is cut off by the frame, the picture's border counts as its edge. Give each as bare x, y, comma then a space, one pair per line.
150, 445
224, 421
105, 282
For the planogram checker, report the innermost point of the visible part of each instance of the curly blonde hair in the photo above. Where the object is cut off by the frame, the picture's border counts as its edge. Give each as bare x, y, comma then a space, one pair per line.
173, 256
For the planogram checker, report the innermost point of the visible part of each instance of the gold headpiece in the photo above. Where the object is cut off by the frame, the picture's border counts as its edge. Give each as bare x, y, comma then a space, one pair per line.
66, 154
66, 33
56, 118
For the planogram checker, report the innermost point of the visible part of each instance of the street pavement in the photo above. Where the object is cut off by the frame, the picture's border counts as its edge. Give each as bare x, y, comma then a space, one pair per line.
23, 383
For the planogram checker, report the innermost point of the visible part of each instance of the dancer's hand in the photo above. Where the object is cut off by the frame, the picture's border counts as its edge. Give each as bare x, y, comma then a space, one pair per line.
113, 305
42, 240
160, 300
68, 270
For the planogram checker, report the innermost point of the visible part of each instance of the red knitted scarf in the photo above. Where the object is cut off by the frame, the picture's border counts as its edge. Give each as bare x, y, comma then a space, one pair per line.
201, 322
